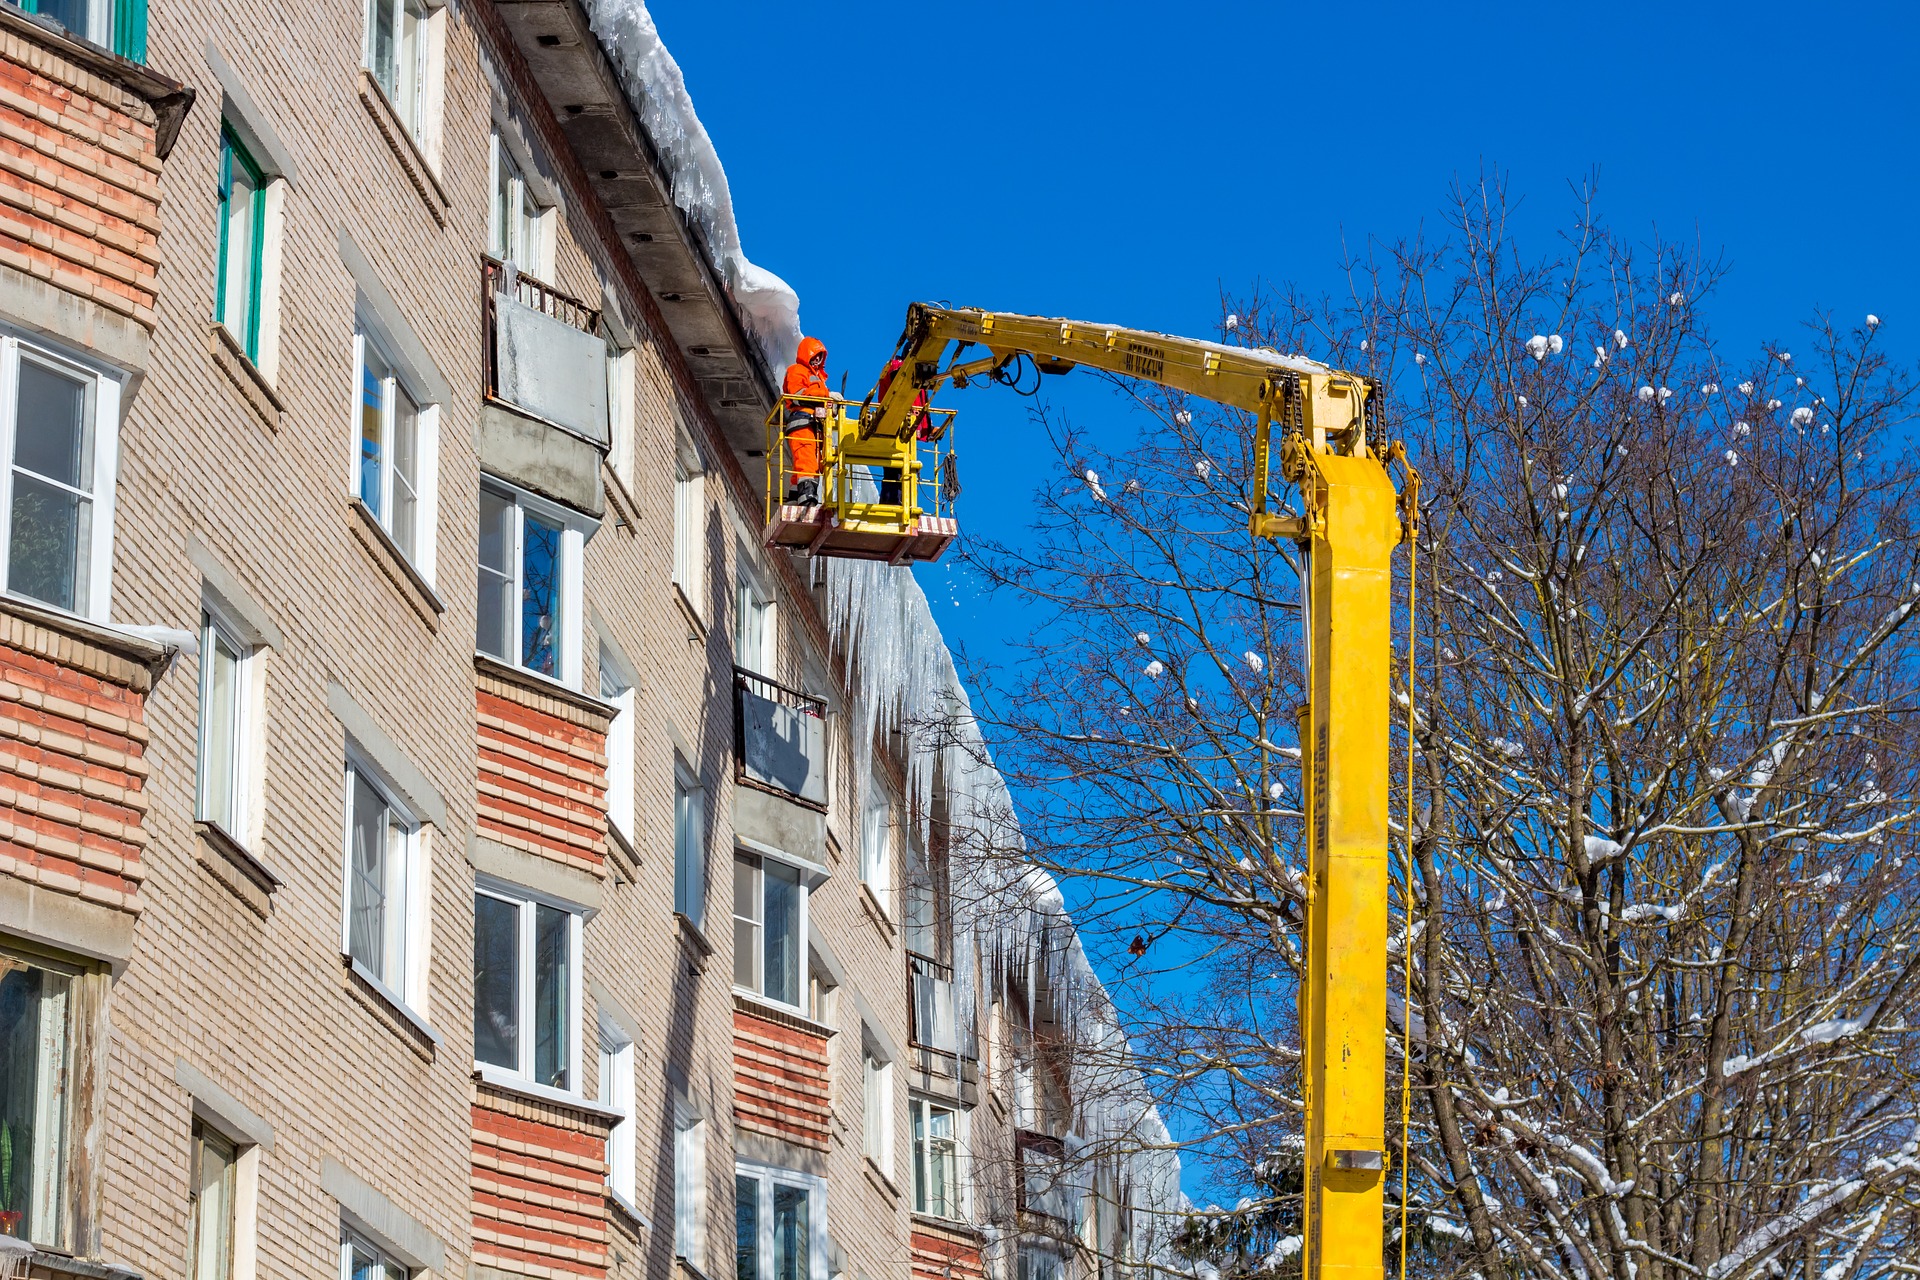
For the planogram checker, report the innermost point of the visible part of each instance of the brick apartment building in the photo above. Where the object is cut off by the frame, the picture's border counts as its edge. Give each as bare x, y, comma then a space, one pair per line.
429, 831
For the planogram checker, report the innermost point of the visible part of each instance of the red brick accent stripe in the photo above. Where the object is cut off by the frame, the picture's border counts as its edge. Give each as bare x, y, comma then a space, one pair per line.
780, 1081
941, 1258
542, 783
539, 1196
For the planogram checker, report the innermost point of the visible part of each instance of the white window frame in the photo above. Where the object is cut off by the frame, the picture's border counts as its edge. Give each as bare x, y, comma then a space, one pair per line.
526, 900
398, 381
622, 410
690, 527
877, 836
803, 878
198, 1213
390, 1266
876, 1108
103, 405
408, 96
689, 846
755, 621
217, 628
918, 1107
689, 1183
523, 241
411, 990
617, 1094
617, 689
769, 1177
572, 552
58, 1082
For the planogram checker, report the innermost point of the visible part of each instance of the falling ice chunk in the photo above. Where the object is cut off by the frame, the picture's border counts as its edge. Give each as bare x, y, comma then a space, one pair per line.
1182, 417
1802, 416
1253, 660
1675, 299
1202, 468
1799, 382
1645, 393
1746, 388
1555, 345
1233, 322
1741, 428
1733, 459
1709, 388
1665, 394
1772, 405
1155, 669
1363, 344
1274, 791
1093, 486
1786, 357
1419, 358
1537, 347
1621, 450
1873, 321
1521, 400
1619, 338
1142, 639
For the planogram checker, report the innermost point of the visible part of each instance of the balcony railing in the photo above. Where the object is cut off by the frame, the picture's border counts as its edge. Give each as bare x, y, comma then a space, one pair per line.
779, 739
544, 353
933, 1021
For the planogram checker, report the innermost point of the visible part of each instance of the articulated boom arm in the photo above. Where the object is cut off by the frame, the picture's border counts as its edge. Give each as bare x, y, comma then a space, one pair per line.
1332, 449
1323, 408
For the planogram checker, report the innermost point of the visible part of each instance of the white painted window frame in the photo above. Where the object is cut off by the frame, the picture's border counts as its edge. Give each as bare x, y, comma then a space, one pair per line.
962, 1185
350, 1240
525, 242
876, 1109
214, 621
616, 671
805, 875
877, 834
412, 992
526, 900
368, 334
818, 1242
104, 404
573, 535
617, 1094
689, 1183
755, 611
690, 525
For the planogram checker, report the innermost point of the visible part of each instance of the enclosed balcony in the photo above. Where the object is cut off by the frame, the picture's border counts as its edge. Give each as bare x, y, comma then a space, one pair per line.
931, 1005
780, 740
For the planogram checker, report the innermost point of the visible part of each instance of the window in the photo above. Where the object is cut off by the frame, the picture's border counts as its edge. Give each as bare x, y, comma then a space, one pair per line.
876, 849
243, 215
225, 670
1038, 1262
383, 884
515, 228
689, 1184
753, 642
389, 475
36, 1069
779, 1225
529, 584
526, 986
361, 1259
876, 1098
689, 527
396, 56
936, 1158
769, 928
689, 848
616, 1093
120, 26
210, 1186
616, 687
57, 422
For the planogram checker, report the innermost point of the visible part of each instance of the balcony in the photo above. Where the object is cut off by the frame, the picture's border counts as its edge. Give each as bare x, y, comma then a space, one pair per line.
780, 740
544, 423
933, 1023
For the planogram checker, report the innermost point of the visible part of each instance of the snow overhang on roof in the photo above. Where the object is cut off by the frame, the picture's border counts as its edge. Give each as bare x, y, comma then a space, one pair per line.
630, 178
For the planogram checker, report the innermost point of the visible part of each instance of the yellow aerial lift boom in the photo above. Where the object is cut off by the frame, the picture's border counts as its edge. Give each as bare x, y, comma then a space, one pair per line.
1330, 448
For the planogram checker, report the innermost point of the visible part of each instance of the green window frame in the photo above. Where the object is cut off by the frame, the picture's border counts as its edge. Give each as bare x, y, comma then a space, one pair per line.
236, 299
126, 32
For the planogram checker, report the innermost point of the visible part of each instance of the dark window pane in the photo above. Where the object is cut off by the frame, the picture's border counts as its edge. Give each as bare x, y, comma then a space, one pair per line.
496, 981
789, 1233
367, 877
496, 574
783, 933
34, 1045
552, 987
746, 1228
539, 595
49, 543
54, 437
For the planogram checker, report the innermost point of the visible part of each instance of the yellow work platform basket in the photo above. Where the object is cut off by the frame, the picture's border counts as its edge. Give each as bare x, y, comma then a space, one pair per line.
883, 498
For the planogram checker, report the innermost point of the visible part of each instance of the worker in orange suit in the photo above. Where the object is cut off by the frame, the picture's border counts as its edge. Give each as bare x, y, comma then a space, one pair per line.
806, 423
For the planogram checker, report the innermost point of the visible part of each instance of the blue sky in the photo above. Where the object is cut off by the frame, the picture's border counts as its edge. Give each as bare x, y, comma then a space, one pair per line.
1127, 163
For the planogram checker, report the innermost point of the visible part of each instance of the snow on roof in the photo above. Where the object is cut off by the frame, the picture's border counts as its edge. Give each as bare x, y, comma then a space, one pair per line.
768, 306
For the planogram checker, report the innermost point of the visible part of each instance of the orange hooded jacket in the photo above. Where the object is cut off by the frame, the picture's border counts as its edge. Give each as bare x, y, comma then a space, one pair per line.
803, 438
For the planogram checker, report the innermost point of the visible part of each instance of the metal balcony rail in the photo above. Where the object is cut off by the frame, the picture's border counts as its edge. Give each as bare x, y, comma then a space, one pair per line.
498, 281
933, 1021
779, 739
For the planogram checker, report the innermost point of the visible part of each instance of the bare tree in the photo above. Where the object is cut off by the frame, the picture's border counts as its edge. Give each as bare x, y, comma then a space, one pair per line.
1664, 912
